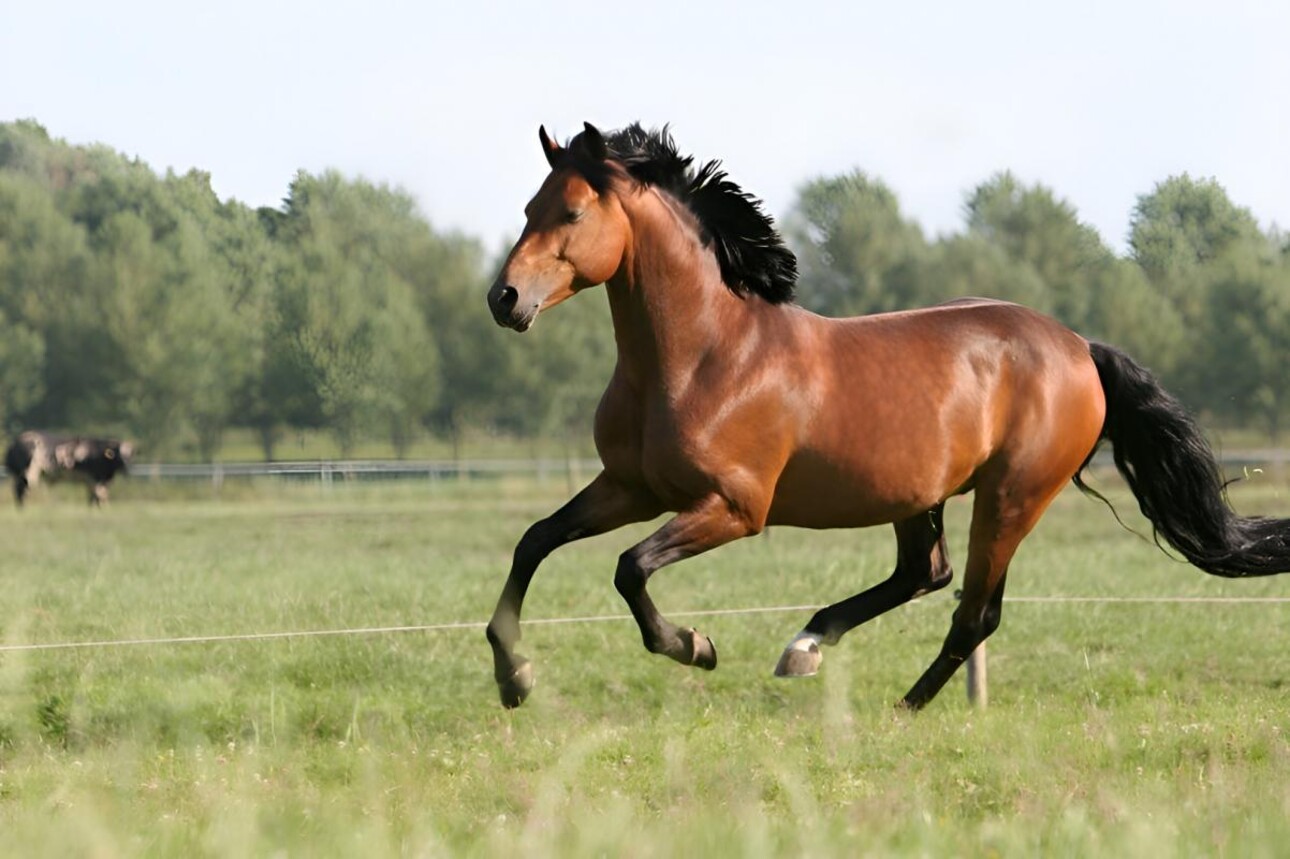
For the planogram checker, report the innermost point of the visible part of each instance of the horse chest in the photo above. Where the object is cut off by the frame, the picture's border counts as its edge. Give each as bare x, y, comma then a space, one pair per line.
679, 451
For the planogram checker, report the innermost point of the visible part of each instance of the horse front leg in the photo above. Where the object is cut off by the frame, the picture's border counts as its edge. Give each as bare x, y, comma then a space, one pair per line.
712, 523
602, 506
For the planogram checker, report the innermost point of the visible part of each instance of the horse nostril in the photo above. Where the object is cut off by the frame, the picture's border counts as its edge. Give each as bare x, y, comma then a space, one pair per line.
508, 299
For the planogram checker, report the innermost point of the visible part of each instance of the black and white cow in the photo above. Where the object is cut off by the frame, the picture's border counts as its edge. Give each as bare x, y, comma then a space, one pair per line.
93, 460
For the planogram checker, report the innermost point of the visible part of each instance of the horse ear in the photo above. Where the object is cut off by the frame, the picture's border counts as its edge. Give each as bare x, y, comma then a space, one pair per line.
550, 148
594, 142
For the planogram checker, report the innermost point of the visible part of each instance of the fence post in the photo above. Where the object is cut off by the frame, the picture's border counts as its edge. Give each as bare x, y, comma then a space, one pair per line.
978, 692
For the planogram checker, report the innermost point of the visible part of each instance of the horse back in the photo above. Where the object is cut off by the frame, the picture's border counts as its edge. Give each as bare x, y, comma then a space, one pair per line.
912, 407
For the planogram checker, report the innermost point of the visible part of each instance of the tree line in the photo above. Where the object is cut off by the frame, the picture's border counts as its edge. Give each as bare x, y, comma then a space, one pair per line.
141, 304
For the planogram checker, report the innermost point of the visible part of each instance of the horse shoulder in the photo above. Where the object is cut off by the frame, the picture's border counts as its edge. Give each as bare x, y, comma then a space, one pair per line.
618, 429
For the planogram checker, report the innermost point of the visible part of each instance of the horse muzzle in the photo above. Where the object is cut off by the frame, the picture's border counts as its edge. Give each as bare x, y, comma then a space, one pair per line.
508, 311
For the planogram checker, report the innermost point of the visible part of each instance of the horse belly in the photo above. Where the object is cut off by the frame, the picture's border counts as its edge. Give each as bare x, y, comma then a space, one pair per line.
815, 493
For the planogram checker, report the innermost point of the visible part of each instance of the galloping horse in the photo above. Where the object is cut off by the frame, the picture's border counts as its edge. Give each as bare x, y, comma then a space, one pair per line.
736, 409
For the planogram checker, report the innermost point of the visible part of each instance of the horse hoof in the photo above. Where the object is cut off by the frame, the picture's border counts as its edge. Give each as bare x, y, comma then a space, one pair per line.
516, 687
799, 662
702, 652
907, 707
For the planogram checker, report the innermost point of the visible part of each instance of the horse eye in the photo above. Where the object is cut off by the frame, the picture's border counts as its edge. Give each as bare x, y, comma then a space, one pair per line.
574, 216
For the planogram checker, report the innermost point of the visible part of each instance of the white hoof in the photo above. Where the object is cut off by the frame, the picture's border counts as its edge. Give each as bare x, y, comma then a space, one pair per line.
801, 658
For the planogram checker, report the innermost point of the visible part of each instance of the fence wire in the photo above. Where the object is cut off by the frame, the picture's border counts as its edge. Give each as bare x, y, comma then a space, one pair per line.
550, 621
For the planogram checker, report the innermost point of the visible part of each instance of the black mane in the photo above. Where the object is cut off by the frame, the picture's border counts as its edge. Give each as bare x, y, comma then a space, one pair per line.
750, 253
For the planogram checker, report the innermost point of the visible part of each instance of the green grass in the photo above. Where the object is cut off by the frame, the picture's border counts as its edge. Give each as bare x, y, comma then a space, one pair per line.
1112, 728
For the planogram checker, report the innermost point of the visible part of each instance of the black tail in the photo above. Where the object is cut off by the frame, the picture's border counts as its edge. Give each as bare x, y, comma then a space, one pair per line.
1173, 473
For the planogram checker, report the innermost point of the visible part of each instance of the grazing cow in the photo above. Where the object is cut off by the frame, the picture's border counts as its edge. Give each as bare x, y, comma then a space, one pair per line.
93, 460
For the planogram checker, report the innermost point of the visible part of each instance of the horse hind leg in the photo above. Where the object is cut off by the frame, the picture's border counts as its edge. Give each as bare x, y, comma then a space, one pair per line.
1001, 518
922, 566
968, 630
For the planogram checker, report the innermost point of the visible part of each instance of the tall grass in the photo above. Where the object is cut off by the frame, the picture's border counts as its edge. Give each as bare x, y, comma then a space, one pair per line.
1121, 728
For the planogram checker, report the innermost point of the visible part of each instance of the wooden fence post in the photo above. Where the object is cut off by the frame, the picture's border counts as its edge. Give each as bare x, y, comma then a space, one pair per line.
978, 692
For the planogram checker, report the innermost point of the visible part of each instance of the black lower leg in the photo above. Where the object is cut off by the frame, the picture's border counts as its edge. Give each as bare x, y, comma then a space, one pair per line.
658, 634
922, 566
601, 507
970, 627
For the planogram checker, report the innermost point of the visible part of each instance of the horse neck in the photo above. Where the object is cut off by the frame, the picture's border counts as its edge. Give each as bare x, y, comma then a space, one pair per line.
669, 305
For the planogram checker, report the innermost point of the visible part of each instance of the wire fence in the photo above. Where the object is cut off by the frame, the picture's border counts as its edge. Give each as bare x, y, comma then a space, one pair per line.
452, 626
1274, 461
327, 472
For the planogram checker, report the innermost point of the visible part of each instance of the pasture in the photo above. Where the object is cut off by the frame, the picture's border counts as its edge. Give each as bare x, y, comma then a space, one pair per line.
1113, 727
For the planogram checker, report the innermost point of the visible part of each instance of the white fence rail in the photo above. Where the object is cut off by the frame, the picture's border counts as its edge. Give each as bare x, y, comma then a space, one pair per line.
1274, 461
366, 469
327, 471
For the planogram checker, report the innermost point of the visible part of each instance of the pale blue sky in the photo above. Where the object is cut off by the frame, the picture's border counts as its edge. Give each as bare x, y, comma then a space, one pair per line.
1097, 100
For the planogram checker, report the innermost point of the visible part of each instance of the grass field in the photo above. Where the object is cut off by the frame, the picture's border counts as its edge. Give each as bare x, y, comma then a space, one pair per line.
1113, 728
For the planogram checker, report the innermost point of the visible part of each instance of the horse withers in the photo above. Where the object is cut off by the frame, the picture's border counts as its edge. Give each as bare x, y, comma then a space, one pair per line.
94, 461
734, 408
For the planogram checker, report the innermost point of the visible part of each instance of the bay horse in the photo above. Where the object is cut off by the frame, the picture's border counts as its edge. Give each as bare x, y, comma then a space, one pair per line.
735, 409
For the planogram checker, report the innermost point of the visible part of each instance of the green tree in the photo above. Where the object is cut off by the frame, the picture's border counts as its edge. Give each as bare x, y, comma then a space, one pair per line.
22, 364
856, 252
176, 343
1247, 371
44, 261
1032, 226
1185, 223
1186, 236
351, 320
406, 372
1128, 311
969, 265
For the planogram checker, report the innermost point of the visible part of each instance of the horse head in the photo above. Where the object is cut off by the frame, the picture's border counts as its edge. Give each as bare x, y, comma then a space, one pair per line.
575, 236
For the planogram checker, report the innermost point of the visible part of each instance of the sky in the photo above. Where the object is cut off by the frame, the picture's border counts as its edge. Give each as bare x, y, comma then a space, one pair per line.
1097, 101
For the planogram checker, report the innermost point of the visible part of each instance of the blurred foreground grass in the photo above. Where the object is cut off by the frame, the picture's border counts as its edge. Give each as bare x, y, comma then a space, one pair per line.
1121, 728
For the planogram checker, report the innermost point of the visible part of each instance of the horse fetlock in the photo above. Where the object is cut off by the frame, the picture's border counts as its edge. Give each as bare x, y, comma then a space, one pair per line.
500, 641
503, 630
